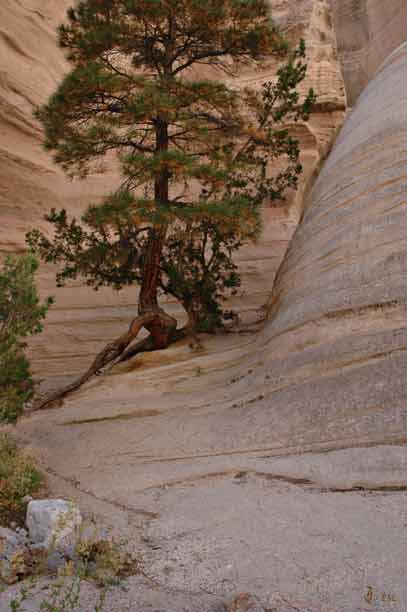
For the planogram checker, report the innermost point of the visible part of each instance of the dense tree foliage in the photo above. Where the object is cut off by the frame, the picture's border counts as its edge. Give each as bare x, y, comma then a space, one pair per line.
196, 153
21, 315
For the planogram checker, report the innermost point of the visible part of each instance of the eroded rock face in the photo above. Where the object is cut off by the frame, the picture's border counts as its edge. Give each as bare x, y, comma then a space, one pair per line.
31, 65
311, 20
367, 32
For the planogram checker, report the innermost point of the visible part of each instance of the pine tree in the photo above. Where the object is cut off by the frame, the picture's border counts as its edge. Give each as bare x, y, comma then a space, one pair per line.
195, 153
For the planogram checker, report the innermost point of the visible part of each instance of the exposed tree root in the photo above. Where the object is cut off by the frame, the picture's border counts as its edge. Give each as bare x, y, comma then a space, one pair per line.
143, 346
114, 351
147, 345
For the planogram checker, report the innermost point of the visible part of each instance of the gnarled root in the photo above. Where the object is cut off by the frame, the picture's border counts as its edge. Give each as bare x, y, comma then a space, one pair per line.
147, 345
114, 350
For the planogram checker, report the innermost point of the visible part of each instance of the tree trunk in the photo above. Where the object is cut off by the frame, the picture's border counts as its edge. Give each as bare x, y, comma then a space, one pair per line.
162, 327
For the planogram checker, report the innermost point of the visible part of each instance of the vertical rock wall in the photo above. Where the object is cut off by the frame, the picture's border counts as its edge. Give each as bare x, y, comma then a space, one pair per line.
367, 31
312, 21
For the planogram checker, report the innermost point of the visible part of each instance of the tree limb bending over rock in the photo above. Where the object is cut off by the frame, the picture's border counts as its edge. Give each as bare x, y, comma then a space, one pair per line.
112, 352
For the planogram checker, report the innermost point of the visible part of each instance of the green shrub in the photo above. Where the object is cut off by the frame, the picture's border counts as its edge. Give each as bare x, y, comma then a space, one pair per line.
21, 315
18, 478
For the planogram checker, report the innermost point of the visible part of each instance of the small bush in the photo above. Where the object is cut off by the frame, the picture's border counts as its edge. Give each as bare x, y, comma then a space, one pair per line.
21, 315
104, 562
18, 478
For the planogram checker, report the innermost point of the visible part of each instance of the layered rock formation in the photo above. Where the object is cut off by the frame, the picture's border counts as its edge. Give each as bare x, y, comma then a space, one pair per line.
338, 308
30, 68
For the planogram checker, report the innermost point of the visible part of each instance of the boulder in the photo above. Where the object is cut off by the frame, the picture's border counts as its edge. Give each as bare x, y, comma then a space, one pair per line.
53, 524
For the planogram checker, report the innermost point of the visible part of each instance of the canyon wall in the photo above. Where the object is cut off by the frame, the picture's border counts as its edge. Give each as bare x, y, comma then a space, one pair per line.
31, 65
271, 461
367, 32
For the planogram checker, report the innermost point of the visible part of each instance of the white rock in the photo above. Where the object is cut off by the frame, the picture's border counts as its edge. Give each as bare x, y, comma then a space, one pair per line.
53, 524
